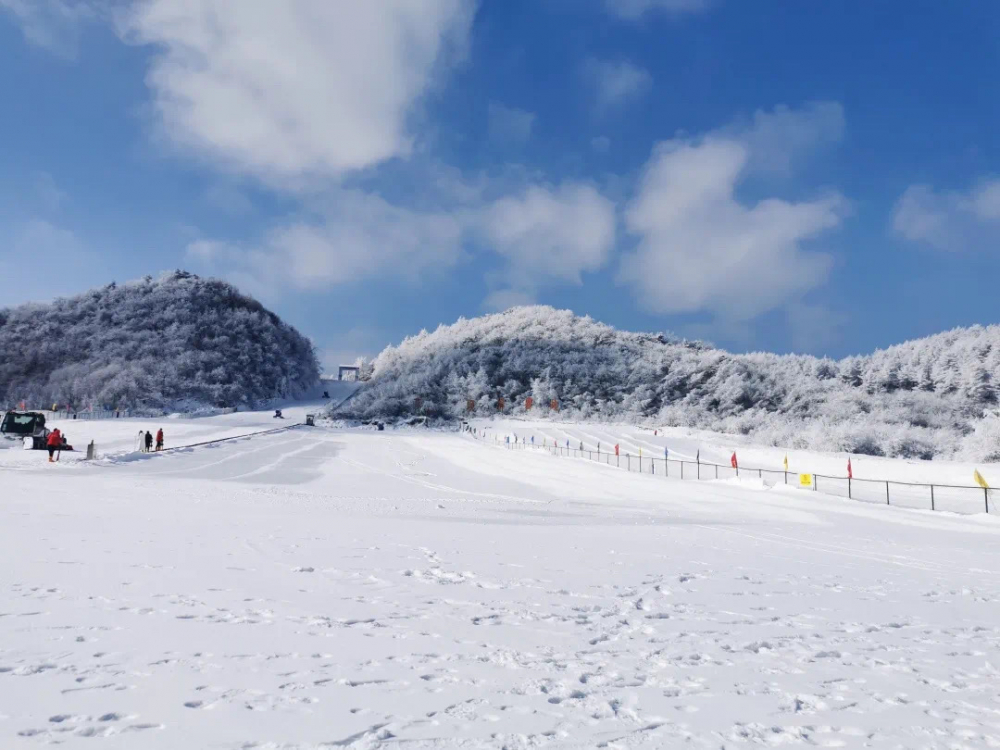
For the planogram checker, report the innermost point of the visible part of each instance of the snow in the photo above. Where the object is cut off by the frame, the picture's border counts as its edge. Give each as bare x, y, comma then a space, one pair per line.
323, 587
955, 489
115, 439
931, 398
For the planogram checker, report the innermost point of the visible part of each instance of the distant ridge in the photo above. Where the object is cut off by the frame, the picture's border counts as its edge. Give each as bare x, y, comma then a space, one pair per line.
933, 397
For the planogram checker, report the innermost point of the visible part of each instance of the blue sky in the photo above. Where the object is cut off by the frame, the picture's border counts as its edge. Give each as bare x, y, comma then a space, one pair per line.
816, 177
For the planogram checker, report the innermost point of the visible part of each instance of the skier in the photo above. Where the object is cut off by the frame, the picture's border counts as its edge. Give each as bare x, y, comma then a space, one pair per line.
159, 439
53, 443
148, 440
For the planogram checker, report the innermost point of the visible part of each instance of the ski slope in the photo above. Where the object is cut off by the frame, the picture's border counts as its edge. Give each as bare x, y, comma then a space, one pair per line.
321, 588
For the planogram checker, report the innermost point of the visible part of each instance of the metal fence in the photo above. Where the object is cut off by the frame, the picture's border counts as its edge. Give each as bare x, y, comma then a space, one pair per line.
941, 497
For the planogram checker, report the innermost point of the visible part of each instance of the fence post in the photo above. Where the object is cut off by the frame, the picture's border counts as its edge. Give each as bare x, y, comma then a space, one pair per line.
760, 473
652, 464
887, 493
786, 479
716, 471
699, 470
628, 462
815, 483
986, 496
666, 466
682, 469
851, 498
932, 497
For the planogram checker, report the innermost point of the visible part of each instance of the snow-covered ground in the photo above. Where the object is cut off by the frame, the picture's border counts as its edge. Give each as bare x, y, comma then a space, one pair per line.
324, 588
114, 438
955, 488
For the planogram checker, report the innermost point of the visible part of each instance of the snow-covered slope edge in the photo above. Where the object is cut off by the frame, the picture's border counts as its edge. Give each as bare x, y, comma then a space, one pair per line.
933, 397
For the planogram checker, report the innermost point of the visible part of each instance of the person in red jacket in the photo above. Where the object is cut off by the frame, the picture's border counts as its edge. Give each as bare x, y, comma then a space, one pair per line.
159, 439
54, 443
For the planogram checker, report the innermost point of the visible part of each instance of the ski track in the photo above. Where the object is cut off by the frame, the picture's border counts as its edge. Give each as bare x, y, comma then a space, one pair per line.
425, 590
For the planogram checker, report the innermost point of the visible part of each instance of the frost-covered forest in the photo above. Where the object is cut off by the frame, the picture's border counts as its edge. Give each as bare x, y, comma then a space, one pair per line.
179, 342
935, 397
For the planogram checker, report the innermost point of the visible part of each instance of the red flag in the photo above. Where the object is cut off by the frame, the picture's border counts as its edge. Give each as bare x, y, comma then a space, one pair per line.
616, 449
733, 461
850, 474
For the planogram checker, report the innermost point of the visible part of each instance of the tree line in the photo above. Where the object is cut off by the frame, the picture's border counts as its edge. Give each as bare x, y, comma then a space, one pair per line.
934, 397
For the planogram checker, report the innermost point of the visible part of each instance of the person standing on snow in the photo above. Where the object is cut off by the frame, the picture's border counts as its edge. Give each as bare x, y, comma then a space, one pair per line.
140, 441
54, 443
149, 441
159, 439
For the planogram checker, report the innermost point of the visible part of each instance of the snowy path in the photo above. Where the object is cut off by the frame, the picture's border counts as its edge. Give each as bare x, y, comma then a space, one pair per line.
320, 589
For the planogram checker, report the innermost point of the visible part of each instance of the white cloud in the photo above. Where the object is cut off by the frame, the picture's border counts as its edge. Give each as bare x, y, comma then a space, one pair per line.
634, 9
508, 124
296, 89
616, 82
775, 139
54, 25
545, 236
551, 235
950, 220
361, 236
702, 249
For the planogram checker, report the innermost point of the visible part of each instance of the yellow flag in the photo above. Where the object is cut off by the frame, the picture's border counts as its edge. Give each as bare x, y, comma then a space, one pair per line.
979, 479
786, 463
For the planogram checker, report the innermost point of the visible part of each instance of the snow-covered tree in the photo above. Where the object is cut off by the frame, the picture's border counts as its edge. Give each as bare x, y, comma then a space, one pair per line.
178, 340
916, 399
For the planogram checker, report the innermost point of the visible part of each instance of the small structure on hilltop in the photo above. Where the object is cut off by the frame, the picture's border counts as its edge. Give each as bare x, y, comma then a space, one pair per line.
349, 372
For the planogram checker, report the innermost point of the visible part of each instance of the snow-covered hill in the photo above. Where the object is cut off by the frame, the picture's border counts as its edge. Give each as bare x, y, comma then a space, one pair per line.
929, 398
180, 342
